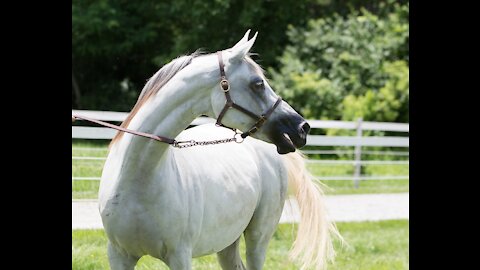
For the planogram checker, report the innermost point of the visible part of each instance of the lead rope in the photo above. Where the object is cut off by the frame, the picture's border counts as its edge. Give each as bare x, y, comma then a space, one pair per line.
178, 144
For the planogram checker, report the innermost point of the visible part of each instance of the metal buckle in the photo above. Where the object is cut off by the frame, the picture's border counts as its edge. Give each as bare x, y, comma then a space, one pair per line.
253, 130
261, 121
224, 85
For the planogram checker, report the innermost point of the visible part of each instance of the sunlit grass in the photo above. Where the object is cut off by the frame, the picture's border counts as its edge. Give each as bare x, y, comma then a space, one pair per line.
371, 246
85, 189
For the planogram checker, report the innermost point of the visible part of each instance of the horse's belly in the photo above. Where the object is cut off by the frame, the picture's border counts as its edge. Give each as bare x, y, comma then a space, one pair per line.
211, 214
224, 222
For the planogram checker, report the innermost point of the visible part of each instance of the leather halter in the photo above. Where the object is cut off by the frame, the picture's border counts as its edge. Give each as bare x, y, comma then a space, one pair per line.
230, 104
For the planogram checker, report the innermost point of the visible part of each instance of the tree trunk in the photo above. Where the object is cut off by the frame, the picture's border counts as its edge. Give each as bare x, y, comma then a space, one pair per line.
76, 91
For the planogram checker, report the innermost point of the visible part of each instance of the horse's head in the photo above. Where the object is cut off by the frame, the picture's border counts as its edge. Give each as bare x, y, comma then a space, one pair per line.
252, 100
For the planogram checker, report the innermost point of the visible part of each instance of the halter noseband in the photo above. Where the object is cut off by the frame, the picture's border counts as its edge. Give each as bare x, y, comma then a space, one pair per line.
230, 104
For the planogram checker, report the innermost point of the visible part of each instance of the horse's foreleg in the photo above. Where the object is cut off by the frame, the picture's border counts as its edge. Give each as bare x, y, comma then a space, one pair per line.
258, 235
259, 232
120, 261
229, 258
179, 259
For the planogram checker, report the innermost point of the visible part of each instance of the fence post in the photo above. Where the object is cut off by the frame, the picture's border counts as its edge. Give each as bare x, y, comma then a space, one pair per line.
358, 155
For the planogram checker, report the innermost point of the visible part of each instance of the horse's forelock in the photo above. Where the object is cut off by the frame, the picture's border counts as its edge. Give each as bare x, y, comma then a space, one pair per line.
254, 65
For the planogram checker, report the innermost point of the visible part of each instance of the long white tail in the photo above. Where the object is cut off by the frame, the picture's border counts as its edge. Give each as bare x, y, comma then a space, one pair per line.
313, 246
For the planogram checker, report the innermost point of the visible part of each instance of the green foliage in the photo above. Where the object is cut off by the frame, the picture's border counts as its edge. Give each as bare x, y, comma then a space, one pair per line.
357, 64
317, 96
118, 44
389, 104
109, 45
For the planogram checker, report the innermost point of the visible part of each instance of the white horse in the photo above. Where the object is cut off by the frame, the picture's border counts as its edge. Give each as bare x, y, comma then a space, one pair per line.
175, 204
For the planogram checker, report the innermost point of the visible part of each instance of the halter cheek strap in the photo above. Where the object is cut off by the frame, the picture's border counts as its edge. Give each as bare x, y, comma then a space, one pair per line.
225, 86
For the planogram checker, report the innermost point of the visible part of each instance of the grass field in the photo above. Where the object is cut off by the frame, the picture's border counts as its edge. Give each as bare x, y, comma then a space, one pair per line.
371, 246
86, 189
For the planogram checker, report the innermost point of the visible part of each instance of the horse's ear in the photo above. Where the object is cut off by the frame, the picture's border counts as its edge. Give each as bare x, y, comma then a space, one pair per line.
242, 41
239, 52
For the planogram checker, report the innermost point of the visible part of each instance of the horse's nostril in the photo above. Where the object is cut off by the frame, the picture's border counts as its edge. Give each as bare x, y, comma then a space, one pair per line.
305, 127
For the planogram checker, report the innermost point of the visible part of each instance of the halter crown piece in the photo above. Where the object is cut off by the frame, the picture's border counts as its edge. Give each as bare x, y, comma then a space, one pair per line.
225, 86
230, 104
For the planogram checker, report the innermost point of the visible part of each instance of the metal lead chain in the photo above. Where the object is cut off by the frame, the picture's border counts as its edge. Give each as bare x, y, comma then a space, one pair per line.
184, 144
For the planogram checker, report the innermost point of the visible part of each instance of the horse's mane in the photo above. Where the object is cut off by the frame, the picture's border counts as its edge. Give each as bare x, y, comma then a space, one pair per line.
155, 83
161, 77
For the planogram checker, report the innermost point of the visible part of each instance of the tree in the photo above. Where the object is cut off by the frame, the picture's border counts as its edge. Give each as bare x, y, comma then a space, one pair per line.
345, 67
118, 44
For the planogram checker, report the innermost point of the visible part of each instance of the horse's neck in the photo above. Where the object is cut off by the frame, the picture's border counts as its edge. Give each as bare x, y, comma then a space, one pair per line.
166, 114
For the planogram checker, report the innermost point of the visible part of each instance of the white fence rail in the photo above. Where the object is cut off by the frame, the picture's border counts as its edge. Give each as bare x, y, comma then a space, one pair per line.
358, 141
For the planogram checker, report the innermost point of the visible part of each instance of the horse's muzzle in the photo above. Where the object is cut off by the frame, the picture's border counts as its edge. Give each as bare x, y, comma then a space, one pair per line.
289, 133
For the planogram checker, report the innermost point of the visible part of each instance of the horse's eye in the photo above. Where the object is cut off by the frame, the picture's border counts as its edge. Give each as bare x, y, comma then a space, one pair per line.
258, 85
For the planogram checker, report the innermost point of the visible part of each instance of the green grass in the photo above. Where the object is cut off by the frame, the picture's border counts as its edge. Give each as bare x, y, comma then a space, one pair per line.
371, 246
83, 189
335, 187
346, 169
338, 187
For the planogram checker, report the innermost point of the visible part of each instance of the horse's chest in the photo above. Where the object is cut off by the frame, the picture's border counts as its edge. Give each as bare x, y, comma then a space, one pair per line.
140, 227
